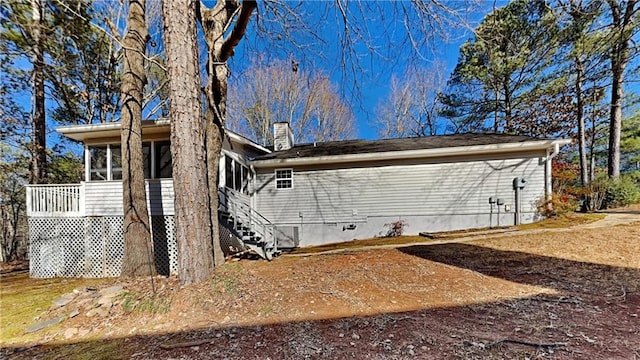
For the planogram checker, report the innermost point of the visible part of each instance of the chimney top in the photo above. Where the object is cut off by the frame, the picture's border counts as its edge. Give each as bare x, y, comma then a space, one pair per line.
282, 136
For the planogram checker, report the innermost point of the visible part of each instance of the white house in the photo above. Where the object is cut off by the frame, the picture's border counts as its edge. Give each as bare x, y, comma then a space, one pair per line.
295, 195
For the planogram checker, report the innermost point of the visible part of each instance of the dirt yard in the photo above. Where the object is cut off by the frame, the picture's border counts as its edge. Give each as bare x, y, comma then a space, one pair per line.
572, 294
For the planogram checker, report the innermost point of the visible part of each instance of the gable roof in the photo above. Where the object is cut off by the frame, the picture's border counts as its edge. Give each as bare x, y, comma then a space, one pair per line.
407, 148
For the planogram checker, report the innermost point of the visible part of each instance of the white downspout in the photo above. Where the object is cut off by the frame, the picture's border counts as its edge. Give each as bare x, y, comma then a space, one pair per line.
87, 163
109, 175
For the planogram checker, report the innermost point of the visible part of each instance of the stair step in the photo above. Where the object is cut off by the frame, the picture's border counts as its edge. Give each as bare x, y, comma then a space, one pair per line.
254, 240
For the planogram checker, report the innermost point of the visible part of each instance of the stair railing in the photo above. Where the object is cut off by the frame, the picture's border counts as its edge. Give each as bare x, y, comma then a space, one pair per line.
233, 202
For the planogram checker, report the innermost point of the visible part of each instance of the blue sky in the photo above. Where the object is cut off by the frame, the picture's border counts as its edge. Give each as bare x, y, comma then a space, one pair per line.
323, 49
373, 77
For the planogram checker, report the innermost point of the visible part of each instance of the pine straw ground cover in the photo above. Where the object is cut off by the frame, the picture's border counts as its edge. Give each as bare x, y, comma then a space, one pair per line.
560, 295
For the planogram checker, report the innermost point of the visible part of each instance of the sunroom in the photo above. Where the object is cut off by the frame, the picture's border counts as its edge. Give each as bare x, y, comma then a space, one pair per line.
85, 219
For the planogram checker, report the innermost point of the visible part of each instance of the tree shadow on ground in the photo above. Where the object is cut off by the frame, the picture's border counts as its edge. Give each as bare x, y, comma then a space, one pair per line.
621, 211
593, 315
559, 274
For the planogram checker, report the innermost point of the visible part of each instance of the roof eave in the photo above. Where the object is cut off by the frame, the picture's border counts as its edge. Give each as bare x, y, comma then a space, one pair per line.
97, 131
414, 154
242, 140
104, 130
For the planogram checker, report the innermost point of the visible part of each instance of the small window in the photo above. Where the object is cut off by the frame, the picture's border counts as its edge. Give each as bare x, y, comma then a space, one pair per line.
146, 159
245, 180
236, 175
284, 179
228, 172
163, 159
98, 162
116, 163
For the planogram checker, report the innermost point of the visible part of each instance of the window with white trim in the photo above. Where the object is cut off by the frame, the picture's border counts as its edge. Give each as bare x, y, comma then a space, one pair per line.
98, 156
284, 178
236, 175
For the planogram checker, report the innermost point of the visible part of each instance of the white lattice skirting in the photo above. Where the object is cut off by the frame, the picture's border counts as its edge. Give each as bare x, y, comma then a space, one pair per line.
92, 246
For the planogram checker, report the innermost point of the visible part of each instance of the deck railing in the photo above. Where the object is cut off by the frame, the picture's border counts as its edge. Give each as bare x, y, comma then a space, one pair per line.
55, 200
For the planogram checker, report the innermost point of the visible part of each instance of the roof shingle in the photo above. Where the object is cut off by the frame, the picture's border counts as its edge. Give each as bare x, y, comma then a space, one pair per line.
375, 146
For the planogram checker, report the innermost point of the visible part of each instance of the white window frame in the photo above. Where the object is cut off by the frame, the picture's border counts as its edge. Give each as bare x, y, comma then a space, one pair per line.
290, 178
87, 160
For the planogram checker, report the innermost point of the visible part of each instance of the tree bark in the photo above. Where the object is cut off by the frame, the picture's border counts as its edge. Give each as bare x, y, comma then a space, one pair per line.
214, 22
582, 141
138, 246
193, 224
622, 16
38, 125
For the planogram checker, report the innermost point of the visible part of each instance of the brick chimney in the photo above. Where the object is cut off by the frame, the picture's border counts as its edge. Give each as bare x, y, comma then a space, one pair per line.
282, 136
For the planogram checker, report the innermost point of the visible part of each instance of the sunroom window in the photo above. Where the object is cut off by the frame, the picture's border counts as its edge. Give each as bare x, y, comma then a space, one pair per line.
105, 161
163, 159
116, 163
98, 162
146, 159
236, 175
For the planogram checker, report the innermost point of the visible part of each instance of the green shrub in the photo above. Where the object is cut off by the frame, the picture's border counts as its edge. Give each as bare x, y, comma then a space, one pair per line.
622, 192
635, 177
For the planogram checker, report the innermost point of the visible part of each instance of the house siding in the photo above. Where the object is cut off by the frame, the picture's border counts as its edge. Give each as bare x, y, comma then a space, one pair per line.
104, 198
432, 195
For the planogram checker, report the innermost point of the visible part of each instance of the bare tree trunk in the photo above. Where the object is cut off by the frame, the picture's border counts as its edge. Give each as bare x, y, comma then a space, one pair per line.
592, 152
582, 147
622, 14
214, 22
38, 125
138, 246
615, 122
193, 213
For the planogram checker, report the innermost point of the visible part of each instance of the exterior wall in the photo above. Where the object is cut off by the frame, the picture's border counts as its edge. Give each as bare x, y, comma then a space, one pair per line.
104, 198
430, 195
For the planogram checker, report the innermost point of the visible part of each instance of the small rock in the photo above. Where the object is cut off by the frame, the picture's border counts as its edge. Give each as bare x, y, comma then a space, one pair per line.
355, 336
70, 332
111, 291
44, 324
74, 313
195, 348
63, 300
106, 301
99, 311
90, 305
341, 335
